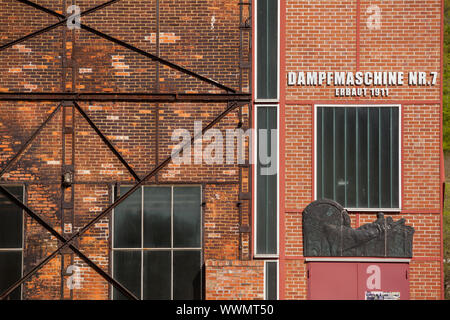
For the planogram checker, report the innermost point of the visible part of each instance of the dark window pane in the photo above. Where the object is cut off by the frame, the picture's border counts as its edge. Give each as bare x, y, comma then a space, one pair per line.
186, 275
157, 275
374, 157
267, 49
363, 191
271, 281
127, 220
186, 217
157, 208
266, 237
395, 158
385, 157
328, 154
10, 272
11, 220
127, 271
351, 158
357, 156
340, 179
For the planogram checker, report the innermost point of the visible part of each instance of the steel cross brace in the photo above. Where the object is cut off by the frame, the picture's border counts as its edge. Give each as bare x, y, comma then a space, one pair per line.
53, 26
116, 284
106, 141
58, 236
63, 19
68, 242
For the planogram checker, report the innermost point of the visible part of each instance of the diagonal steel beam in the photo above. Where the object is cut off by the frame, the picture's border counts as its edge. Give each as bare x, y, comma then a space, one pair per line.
158, 168
62, 20
58, 236
107, 142
28, 142
133, 48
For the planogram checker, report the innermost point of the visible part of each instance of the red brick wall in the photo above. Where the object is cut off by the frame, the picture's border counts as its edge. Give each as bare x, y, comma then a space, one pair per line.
324, 36
204, 36
236, 280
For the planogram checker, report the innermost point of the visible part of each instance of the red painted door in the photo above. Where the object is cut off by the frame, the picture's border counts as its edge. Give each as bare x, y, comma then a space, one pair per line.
357, 281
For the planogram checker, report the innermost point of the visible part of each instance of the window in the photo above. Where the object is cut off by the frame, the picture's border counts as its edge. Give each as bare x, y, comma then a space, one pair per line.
11, 242
357, 162
267, 47
271, 280
157, 250
267, 181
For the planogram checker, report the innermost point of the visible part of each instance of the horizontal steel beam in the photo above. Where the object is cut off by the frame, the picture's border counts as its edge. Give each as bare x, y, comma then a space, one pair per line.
126, 97
133, 48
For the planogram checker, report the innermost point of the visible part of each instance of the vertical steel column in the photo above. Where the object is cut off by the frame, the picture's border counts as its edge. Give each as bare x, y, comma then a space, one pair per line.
157, 90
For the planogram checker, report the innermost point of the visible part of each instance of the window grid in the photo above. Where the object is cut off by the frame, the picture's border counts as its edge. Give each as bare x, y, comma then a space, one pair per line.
394, 199
171, 249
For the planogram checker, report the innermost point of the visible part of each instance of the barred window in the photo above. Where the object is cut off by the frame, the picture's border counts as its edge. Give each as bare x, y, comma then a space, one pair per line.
157, 243
357, 156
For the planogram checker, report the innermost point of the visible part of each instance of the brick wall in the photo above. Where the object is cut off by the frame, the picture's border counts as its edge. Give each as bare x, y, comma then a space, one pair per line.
202, 36
325, 36
236, 280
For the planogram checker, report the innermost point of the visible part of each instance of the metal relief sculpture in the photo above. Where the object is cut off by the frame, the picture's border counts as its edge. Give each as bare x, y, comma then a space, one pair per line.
327, 233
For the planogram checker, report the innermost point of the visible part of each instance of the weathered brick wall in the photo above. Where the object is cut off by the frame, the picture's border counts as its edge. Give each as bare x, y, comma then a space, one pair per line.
202, 36
235, 280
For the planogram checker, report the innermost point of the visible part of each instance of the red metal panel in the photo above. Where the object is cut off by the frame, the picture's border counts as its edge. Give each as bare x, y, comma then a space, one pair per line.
357, 280
383, 277
333, 281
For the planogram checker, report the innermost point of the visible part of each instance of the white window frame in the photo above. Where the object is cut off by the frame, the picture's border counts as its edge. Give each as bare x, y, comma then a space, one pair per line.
172, 249
255, 179
255, 43
400, 125
278, 277
22, 250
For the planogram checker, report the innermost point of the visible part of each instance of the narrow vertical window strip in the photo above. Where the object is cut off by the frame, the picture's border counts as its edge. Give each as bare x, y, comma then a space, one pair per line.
368, 157
171, 242
357, 157
142, 243
379, 157
323, 150
345, 157
391, 155
334, 153
267, 179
